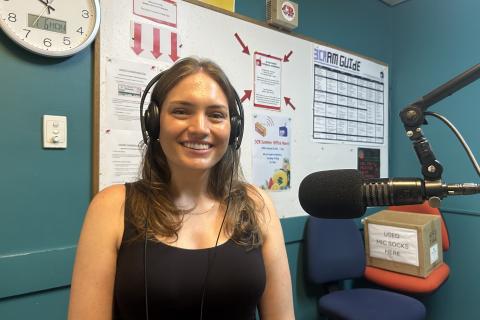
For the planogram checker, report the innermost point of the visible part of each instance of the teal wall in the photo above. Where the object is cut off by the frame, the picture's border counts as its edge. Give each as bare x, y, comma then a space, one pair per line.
44, 193
434, 40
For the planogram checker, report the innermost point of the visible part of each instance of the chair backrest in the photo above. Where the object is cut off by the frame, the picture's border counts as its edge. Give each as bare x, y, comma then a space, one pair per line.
425, 208
334, 250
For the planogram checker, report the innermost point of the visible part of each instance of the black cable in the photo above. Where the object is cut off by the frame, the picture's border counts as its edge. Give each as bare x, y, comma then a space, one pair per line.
459, 137
145, 269
209, 265
145, 243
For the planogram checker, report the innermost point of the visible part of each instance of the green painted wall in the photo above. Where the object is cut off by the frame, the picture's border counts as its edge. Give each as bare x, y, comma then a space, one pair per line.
434, 40
44, 193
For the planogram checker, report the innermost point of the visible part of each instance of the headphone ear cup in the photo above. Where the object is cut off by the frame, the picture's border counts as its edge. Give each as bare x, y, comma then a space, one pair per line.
152, 121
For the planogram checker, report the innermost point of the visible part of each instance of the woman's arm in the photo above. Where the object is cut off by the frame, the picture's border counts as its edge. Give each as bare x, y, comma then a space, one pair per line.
91, 294
276, 302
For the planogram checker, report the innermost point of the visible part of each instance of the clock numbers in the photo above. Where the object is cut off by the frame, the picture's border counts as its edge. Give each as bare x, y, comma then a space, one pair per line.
12, 17
54, 28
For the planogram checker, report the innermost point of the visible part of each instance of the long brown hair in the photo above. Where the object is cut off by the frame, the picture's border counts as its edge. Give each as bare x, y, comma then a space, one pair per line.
149, 201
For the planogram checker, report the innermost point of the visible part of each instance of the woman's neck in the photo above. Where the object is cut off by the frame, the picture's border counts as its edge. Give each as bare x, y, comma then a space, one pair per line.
190, 189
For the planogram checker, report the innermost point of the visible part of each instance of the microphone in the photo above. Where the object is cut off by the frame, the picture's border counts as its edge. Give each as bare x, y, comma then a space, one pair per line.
344, 194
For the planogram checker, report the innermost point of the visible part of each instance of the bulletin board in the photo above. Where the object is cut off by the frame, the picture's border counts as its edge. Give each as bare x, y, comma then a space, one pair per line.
308, 106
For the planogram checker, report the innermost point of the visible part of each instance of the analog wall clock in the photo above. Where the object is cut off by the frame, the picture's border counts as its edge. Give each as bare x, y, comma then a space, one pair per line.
56, 28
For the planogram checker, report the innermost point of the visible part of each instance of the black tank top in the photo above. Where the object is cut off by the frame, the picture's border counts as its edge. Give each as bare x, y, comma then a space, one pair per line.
175, 277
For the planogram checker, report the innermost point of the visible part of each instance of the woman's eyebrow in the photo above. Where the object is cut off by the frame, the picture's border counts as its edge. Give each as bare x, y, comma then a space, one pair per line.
184, 103
181, 102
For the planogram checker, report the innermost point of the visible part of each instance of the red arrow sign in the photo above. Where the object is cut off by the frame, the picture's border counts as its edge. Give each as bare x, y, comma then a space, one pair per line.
247, 95
137, 38
156, 43
288, 103
245, 48
286, 56
173, 47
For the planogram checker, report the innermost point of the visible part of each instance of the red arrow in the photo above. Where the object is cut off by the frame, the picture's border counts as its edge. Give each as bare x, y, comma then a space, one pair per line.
288, 103
247, 95
173, 47
137, 39
156, 43
286, 56
245, 48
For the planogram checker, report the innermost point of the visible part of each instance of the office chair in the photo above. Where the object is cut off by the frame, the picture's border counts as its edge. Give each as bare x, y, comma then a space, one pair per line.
335, 252
408, 283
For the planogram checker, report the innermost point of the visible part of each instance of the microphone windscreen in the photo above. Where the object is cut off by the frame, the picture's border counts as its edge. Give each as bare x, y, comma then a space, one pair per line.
332, 194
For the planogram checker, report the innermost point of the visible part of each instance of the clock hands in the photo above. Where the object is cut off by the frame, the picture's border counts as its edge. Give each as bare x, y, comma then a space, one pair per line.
47, 6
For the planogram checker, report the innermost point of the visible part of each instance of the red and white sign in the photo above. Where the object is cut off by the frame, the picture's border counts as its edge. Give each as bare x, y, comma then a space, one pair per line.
161, 11
267, 81
288, 11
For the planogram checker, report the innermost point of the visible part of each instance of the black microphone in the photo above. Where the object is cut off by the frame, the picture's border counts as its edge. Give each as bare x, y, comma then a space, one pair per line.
345, 194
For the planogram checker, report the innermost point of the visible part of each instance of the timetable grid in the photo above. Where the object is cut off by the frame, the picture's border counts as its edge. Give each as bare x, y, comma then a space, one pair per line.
347, 107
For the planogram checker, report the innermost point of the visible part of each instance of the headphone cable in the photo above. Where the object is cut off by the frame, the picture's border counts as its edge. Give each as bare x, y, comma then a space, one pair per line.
209, 265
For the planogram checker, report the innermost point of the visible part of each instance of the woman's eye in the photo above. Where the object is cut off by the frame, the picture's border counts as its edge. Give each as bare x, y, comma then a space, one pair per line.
218, 115
179, 111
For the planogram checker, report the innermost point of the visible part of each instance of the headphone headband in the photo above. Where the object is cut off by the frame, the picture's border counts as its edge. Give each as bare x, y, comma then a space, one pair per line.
150, 119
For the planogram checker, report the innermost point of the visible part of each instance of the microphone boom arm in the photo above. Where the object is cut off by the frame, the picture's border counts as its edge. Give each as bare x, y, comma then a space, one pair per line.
413, 117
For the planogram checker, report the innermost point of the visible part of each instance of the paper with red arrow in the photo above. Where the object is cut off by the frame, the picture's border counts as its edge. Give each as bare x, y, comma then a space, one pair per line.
154, 42
267, 81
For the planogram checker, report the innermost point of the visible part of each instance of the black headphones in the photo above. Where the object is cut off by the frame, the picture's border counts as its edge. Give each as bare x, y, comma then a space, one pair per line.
150, 120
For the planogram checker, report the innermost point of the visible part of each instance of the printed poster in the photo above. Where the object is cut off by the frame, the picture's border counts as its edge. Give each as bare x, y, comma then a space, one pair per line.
271, 152
369, 163
267, 85
350, 100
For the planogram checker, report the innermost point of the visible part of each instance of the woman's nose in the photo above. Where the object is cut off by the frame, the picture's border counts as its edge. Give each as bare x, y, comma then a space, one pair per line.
199, 124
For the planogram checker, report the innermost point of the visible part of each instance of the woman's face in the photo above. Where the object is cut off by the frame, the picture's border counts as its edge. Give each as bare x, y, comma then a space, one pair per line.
194, 123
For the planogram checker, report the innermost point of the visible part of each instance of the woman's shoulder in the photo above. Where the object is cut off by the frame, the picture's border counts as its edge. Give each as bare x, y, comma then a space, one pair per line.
108, 203
106, 211
111, 195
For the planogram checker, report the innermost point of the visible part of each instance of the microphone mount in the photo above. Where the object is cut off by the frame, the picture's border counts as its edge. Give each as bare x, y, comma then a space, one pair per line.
413, 117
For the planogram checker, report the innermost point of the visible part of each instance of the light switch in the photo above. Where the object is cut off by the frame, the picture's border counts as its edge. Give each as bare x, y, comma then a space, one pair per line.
54, 132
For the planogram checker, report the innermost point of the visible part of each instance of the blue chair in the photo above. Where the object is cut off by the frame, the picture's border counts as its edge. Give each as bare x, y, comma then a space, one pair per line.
334, 252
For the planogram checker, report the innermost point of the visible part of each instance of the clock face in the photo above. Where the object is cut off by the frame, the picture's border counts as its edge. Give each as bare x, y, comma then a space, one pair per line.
51, 27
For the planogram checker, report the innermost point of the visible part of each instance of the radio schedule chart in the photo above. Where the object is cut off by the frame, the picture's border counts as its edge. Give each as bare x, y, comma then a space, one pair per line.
349, 103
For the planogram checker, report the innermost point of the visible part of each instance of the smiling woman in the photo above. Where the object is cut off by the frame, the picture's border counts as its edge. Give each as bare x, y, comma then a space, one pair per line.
194, 124
191, 239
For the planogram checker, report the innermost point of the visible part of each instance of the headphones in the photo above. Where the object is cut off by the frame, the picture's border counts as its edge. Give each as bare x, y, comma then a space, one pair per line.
150, 120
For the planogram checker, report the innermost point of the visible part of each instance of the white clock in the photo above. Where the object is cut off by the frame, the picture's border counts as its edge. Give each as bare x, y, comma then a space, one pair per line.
55, 28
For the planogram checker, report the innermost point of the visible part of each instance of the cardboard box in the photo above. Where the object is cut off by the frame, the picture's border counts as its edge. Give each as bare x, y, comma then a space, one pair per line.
404, 242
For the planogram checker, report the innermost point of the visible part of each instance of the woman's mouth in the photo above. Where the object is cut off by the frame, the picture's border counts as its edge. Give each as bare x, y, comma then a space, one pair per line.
197, 145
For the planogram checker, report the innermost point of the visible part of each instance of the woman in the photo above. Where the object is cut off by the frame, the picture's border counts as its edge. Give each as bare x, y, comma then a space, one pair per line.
189, 240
